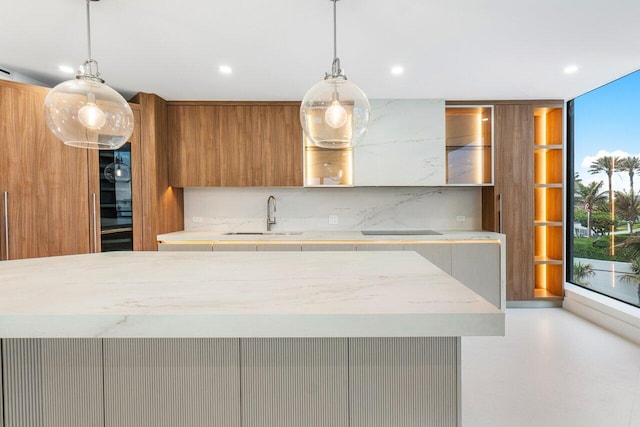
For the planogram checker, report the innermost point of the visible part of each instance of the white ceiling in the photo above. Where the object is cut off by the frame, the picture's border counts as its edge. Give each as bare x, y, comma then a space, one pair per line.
453, 49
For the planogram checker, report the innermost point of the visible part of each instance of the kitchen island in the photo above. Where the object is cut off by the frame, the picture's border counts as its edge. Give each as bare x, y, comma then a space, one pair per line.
235, 338
477, 259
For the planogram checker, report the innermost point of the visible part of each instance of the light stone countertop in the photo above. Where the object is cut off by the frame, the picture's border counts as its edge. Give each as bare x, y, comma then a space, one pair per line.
238, 294
323, 236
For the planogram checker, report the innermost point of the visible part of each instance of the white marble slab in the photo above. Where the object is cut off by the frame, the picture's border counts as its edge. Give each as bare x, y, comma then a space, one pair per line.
404, 145
241, 209
238, 294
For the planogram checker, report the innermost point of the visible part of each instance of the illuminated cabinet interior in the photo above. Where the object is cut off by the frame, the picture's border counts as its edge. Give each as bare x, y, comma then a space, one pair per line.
548, 202
469, 145
327, 167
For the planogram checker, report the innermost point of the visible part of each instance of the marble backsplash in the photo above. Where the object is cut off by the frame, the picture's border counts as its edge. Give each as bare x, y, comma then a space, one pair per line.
358, 208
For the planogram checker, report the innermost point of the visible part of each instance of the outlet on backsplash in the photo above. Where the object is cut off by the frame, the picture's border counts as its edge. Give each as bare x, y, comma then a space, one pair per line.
461, 218
333, 219
196, 219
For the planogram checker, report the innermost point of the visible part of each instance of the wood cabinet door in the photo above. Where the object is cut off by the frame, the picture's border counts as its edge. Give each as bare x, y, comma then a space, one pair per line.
235, 145
44, 180
279, 129
514, 187
194, 145
240, 148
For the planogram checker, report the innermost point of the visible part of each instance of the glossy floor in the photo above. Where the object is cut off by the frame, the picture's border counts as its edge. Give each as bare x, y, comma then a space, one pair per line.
551, 369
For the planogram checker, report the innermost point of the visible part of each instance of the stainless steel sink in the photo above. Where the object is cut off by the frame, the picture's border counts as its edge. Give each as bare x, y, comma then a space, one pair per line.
263, 233
400, 233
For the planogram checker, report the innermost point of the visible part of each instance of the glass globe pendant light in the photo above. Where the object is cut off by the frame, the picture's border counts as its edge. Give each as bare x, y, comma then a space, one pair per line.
117, 171
335, 112
85, 112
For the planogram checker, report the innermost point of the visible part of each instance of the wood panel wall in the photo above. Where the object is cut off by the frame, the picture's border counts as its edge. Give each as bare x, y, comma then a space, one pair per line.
514, 184
137, 181
45, 180
162, 205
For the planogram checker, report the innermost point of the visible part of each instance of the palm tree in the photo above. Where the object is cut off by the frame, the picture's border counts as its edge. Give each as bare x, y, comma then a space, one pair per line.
581, 272
628, 207
590, 196
576, 179
608, 165
631, 165
633, 244
633, 277
591, 193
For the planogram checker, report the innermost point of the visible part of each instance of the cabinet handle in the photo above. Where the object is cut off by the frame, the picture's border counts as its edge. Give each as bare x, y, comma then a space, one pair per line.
6, 223
500, 213
95, 225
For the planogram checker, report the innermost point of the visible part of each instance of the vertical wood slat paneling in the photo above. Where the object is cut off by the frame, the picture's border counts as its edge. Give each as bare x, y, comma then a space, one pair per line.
53, 382
23, 382
172, 382
72, 382
409, 382
294, 382
197, 382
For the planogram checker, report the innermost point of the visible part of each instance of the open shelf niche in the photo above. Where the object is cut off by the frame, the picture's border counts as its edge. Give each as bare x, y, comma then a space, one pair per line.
548, 202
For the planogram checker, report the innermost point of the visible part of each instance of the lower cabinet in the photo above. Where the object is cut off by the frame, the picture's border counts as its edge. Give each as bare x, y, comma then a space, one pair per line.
182, 247
224, 247
290, 247
329, 247
379, 247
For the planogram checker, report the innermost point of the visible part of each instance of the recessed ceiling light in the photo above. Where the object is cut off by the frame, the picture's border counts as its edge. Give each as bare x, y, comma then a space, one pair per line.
571, 69
397, 70
66, 69
225, 69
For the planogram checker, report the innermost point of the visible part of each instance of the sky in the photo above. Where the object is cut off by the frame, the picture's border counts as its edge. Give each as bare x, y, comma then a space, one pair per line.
607, 122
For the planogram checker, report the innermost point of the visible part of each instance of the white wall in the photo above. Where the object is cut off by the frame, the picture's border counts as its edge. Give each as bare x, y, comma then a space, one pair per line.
359, 208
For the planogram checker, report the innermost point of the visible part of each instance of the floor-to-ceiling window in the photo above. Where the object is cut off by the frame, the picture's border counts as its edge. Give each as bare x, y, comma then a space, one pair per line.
604, 165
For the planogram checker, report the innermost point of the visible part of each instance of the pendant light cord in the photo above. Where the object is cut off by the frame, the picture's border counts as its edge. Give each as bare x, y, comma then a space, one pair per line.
335, 37
89, 70
336, 71
89, 30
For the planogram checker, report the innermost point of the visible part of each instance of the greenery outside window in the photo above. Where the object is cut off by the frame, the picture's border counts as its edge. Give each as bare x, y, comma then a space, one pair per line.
603, 241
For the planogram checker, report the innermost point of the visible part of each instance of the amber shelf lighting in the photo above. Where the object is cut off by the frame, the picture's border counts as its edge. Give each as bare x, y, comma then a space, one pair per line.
548, 203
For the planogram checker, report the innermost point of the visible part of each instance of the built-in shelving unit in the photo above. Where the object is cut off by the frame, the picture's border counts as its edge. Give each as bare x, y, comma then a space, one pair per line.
548, 202
327, 167
469, 145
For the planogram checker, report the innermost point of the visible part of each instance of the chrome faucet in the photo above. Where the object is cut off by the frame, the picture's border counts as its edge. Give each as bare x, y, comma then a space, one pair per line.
269, 220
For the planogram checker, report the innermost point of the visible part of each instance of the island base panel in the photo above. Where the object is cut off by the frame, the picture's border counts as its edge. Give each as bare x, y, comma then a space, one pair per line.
256, 382
52, 382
